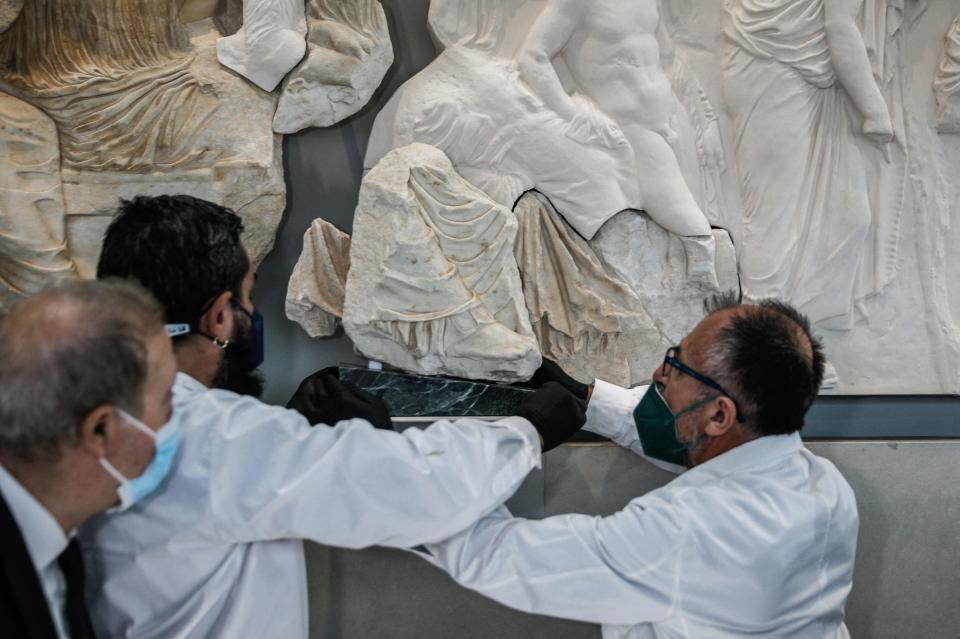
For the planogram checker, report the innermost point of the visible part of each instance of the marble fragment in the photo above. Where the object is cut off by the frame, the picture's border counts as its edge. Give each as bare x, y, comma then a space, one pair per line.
33, 247
316, 288
142, 106
946, 82
271, 41
653, 263
348, 52
420, 396
585, 319
433, 286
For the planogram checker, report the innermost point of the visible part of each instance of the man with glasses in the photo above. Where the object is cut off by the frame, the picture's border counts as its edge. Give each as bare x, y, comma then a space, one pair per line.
757, 538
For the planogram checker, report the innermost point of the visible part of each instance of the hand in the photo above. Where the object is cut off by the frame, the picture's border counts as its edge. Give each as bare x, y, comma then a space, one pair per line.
879, 129
555, 412
589, 125
323, 399
550, 371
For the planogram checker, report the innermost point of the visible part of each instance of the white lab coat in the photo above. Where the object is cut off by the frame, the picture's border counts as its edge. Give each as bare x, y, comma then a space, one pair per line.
217, 550
757, 542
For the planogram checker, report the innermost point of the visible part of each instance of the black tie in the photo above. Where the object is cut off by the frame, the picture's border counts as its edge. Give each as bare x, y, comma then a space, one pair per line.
71, 563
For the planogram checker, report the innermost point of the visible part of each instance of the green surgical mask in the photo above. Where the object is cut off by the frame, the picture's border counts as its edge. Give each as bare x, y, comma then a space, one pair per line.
657, 427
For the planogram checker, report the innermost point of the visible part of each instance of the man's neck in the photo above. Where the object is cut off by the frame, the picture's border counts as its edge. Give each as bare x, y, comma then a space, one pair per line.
716, 446
195, 359
62, 494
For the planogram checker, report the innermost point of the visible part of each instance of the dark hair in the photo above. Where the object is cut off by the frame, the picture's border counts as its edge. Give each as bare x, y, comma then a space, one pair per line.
66, 351
769, 360
185, 250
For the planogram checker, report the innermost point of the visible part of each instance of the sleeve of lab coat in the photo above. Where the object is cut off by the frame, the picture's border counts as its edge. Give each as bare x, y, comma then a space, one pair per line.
610, 414
621, 569
351, 485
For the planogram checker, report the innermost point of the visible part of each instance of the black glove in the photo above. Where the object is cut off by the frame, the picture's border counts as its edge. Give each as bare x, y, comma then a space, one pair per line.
555, 412
550, 371
323, 399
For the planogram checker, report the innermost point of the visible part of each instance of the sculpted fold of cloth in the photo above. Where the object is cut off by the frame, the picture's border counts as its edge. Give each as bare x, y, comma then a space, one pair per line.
421, 284
115, 78
316, 288
9, 10
433, 286
271, 41
586, 319
349, 51
789, 80
33, 247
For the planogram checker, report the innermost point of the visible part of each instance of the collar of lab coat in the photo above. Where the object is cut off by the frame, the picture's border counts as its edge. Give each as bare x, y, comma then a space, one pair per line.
757, 453
188, 384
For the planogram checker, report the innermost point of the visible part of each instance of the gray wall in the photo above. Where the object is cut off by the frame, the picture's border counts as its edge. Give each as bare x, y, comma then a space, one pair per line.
906, 580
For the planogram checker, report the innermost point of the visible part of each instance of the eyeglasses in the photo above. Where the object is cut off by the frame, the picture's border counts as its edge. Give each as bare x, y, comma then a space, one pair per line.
670, 361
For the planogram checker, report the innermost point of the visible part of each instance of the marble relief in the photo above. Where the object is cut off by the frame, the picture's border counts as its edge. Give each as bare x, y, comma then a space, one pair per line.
270, 42
946, 82
565, 179
317, 285
33, 246
349, 51
801, 128
806, 201
138, 104
433, 286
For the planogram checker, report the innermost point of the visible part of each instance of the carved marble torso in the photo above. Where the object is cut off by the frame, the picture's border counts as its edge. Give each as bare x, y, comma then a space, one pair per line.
614, 58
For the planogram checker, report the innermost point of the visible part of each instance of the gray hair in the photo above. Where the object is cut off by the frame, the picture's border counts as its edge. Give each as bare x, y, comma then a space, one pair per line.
67, 351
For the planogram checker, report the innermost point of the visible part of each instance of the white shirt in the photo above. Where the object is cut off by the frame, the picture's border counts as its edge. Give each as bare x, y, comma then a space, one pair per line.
45, 540
217, 550
758, 542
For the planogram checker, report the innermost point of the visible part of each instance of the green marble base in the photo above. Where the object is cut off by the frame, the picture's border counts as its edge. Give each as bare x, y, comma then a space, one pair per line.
422, 396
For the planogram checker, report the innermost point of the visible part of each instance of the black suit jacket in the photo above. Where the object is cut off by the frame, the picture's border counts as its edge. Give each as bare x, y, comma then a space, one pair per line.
24, 613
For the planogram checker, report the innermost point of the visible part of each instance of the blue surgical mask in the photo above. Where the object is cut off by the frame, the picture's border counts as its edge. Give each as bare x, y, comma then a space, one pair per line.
256, 335
166, 441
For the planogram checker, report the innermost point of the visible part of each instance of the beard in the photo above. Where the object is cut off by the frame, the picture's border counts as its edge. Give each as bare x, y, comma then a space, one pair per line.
235, 373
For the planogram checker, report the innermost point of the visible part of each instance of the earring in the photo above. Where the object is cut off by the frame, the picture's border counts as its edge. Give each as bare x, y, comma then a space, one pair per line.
222, 343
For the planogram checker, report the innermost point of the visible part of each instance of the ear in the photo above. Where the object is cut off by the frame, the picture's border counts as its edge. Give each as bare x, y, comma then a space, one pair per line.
218, 320
95, 430
723, 417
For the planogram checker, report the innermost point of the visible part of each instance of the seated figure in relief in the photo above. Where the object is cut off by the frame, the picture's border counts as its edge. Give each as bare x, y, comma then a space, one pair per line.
611, 51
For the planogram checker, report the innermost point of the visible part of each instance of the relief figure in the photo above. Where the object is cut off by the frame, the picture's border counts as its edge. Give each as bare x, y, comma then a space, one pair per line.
799, 85
115, 76
611, 52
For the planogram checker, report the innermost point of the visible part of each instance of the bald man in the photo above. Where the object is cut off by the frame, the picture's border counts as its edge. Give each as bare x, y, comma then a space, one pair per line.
86, 373
756, 539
